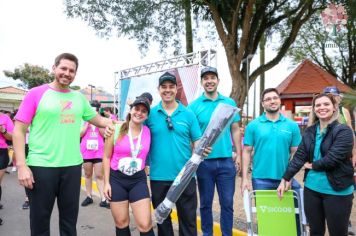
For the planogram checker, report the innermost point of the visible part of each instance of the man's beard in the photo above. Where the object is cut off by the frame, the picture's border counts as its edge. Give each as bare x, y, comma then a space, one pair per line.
211, 92
273, 111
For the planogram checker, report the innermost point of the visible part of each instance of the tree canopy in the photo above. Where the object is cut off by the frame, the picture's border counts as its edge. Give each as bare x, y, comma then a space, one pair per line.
145, 21
240, 25
30, 75
75, 87
334, 53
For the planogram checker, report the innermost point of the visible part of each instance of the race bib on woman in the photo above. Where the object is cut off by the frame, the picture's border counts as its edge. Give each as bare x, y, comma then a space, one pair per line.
129, 165
92, 144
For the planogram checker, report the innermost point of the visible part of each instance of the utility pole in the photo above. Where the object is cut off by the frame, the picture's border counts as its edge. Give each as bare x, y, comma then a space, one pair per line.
91, 91
246, 60
262, 76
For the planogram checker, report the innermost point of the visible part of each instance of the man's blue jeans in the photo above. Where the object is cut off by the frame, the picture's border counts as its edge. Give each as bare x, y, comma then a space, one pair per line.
220, 172
272, 184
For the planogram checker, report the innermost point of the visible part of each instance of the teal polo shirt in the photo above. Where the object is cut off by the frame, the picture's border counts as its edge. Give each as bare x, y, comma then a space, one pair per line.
271, 142
171, 149
317, 180
203, 107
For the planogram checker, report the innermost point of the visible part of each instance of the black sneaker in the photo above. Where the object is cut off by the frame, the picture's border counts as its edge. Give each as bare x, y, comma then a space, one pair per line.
1, 221
26, 205
104, 204
1, 206
87, 201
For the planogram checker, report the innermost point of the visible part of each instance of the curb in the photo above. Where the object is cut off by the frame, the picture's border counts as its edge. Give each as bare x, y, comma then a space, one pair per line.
174, 216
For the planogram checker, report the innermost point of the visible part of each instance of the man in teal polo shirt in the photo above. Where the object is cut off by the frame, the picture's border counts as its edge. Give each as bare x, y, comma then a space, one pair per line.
219, 168
173, 129
274, 139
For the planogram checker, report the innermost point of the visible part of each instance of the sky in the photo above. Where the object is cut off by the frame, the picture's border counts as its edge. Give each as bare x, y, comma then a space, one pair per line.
36, 31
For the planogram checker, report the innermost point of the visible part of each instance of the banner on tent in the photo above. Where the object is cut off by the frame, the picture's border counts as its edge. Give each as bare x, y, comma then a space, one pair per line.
188, 81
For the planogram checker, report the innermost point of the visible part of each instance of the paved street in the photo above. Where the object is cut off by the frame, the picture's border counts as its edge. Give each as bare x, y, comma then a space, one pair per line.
92, 221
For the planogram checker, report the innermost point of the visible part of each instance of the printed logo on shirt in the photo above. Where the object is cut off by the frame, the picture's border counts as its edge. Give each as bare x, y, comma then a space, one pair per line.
67, 105
183, 124
286, 131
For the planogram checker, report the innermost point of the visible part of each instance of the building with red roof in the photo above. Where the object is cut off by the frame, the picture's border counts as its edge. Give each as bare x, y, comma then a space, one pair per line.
11, 97
303, 83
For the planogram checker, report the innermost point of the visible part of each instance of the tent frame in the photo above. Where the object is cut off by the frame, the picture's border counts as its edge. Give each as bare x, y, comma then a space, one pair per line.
201, 58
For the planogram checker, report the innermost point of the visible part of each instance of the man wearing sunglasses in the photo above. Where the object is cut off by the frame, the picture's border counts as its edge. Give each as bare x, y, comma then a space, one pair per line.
219, 168
173, 129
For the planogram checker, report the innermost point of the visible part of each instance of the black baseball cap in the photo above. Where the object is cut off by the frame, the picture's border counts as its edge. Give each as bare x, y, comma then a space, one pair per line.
146, 95
208, 69
167, 77
141, 101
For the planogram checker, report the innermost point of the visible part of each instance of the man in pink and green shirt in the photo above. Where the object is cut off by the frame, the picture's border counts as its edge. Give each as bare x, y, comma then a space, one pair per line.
52, 169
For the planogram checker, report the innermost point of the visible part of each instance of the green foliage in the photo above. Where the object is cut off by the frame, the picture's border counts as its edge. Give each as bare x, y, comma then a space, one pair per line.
30, 75
349, 100
335, 54
75, 87
239, 24
242, 25
145, 21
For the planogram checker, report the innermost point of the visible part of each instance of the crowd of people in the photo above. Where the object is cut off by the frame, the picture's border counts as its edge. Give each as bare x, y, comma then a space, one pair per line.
56, 133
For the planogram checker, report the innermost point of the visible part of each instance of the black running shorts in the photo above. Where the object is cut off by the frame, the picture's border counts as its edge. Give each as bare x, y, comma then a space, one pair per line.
125, 187
4, 158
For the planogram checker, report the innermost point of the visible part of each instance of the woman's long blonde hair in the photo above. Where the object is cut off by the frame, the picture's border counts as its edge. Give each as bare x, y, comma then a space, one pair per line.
124, 129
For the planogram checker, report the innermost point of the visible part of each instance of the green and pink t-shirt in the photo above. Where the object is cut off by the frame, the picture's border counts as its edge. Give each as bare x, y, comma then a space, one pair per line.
8, 125
55, 118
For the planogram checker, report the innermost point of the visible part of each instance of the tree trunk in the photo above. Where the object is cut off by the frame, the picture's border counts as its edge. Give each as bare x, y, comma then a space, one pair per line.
262, 76
241, 33
238, 89
188, 26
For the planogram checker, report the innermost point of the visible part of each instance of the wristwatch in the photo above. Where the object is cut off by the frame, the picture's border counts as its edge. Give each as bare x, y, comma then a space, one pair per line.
4, 132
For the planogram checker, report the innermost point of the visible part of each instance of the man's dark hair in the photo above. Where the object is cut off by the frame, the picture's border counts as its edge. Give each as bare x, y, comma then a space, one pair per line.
268, 91
67, 56
13, 114
96, 104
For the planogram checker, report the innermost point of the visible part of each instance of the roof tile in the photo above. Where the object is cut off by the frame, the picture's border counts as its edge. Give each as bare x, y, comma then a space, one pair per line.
309, 78
12, 90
